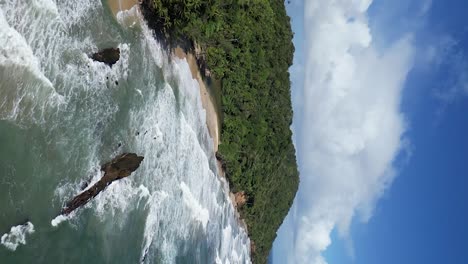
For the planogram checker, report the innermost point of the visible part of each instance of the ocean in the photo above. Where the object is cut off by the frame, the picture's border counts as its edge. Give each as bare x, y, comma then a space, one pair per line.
62, 115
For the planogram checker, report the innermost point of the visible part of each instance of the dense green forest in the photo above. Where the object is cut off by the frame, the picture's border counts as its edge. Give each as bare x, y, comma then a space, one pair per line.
247, 44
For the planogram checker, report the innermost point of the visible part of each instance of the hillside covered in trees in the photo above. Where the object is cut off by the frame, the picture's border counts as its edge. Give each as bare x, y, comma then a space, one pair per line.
247, 44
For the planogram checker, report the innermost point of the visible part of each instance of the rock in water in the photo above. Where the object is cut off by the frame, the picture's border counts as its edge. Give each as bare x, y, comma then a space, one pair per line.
118, 168
109, 56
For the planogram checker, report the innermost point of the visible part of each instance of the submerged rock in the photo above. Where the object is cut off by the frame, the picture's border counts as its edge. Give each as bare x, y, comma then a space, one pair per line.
109, 56
120, 167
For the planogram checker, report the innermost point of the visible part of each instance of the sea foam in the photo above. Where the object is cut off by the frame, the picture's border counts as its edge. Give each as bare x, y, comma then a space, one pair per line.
17, 236
59, 219
198, 212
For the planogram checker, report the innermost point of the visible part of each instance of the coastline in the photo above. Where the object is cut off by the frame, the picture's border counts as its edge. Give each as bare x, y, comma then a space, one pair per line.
208, 102
212, 116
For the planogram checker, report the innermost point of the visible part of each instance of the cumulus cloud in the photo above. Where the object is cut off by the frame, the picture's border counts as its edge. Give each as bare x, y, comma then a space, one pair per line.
351, 128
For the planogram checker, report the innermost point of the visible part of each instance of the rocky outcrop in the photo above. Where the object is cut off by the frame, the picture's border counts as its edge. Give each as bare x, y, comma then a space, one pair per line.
108, 56
240, 198
221, 160
253, 248
120, 167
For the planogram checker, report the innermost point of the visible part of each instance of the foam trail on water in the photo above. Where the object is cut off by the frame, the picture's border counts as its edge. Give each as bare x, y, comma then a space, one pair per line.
15, 51
198, 212
17, 236
24, 90
59, 219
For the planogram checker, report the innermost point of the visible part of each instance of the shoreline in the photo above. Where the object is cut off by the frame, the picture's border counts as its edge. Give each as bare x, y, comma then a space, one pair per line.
212, 116
208, 102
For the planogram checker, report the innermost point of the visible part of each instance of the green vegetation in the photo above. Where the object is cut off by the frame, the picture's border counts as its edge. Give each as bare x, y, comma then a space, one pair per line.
247, 45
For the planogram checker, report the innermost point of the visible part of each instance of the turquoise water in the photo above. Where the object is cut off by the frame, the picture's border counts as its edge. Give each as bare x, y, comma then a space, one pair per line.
62, 115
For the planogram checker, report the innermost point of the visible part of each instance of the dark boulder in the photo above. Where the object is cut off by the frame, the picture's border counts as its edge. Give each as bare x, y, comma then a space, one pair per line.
120, 167
109, 56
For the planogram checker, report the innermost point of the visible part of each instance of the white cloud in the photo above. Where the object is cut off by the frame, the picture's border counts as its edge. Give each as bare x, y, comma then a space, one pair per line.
352, 127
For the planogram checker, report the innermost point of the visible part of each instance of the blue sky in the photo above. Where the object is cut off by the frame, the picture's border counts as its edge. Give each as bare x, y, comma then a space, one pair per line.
380, 93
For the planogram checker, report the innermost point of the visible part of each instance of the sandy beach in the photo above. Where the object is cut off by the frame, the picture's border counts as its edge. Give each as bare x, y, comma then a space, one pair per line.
121, 5
211, 116
207, 100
